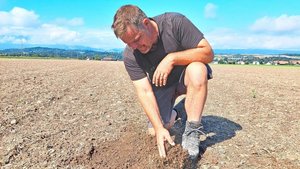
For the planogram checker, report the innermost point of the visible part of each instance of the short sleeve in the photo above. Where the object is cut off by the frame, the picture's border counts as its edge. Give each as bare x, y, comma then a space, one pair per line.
134, 71
187, 33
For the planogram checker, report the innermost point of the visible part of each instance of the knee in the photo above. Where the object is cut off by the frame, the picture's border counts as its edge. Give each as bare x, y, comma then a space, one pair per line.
196, 75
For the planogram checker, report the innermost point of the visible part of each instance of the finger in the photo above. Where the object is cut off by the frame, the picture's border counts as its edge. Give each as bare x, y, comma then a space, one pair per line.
161, 80
170, 140
154, 78
157, 79
165, 77
162, 151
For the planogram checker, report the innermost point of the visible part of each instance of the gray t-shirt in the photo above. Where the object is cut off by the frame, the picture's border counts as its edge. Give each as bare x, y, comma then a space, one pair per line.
176, 33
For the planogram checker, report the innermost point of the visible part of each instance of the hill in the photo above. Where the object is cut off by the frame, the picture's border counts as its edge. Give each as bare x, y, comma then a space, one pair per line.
256, 51
81, 52
65, 53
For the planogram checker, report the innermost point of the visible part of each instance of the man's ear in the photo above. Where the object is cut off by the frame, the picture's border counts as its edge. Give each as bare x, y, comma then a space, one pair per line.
146, 21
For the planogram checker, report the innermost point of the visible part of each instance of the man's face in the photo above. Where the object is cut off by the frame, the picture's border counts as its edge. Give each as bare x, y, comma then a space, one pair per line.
140, 39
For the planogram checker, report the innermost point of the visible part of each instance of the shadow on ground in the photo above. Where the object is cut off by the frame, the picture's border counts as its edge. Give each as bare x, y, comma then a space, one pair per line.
217, 129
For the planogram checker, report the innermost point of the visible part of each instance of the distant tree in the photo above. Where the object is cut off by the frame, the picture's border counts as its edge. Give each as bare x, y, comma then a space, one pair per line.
221, 61
97, 57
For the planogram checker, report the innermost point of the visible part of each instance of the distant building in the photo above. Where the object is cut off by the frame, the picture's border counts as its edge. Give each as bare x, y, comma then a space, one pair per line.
108, 59
241, 62
269, 63
281, 62
295, 62
255, 63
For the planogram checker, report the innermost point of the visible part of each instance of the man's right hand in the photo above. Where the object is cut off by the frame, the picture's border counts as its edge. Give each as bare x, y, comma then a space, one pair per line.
163, 135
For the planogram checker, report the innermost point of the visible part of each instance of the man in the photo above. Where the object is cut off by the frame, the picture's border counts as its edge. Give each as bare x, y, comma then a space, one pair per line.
166, 56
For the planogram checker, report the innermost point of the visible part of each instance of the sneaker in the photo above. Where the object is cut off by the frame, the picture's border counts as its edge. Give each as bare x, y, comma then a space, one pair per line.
191, 138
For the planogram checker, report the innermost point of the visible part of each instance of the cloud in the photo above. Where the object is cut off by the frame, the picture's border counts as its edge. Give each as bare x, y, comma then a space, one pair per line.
50, 34
281, 24
43, 34
53, 34
20, 26
71, 22
210, 11
18, 17
98, 38
223, 38
266, 32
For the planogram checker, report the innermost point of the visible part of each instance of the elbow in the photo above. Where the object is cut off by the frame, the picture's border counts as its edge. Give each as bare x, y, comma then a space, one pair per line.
207, 51
143, 89
211, 56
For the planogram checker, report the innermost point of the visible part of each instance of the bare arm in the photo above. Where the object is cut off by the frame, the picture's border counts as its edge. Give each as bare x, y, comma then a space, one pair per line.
149, 104
148, 101
202, 53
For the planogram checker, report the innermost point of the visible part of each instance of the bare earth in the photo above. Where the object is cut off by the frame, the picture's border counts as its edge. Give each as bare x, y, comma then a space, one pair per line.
85, 114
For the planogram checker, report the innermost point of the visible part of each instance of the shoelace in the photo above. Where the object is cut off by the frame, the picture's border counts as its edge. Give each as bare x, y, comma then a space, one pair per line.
199, 130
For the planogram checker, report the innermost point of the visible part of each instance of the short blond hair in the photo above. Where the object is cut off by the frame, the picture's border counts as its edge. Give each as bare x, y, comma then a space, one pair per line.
127, 15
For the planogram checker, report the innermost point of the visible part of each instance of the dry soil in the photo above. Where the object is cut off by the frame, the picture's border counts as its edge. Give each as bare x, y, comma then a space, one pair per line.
85, 114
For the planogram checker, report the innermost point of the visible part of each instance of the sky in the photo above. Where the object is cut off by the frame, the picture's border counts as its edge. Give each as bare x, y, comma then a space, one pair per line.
226, 24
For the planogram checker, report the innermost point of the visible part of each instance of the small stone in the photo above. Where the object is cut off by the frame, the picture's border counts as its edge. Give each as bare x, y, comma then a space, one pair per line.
51, 151
222, 151
209, 149
14, 121
205, 167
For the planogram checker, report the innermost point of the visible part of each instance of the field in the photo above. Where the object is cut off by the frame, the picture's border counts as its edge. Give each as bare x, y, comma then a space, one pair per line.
85, 114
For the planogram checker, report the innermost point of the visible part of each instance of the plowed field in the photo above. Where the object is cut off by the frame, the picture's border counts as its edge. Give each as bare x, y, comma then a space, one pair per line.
85, 114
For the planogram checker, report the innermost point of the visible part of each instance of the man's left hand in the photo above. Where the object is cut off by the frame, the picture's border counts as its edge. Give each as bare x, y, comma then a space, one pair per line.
162, 72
